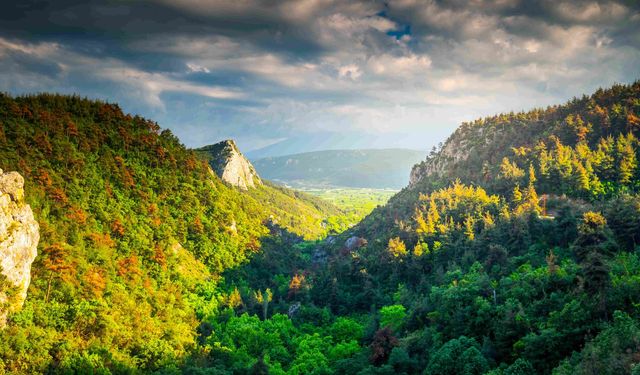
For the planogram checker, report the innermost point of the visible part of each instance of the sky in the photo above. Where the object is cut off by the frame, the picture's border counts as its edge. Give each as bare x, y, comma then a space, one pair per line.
400, 73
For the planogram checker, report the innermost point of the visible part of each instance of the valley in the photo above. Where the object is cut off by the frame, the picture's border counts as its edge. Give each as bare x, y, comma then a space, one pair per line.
320, 187
358, 202
155, 258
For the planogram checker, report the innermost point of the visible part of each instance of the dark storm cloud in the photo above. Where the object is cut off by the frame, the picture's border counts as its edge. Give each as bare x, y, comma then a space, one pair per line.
260, 71
109, 26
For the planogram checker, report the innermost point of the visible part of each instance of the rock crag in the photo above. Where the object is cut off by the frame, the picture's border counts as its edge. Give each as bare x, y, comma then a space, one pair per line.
455, 150
230, 165
19, 236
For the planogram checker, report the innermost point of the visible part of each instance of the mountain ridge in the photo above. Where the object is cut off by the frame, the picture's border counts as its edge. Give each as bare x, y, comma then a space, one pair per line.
332, 140
361, 168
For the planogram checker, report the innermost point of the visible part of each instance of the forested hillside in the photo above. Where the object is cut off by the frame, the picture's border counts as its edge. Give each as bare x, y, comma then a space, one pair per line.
485, 265
516, 247
135, 230
584, 148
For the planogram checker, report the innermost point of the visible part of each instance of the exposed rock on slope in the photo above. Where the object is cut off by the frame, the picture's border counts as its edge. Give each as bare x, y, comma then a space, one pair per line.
230, 165
456, 149
19, 237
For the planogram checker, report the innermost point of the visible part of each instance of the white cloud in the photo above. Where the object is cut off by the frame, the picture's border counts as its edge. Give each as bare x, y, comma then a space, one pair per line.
197, 68
152, 85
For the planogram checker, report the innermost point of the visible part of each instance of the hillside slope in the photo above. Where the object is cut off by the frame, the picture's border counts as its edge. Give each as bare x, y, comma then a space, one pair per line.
515, 235
383, 168
580, 144
302, 214
586, 149
134, 232
504, 256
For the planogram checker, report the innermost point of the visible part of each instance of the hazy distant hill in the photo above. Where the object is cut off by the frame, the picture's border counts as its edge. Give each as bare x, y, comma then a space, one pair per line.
321, 141
384, 168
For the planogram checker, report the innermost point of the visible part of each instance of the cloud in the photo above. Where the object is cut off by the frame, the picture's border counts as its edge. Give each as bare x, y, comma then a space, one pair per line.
260, 71
56, 63
591, 12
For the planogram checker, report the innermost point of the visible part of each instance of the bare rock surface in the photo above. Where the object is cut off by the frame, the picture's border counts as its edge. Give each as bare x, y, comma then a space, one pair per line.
230, 165
19, 236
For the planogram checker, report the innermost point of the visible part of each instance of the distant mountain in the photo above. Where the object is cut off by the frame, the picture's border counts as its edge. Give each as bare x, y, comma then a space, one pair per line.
383, 168
335, 141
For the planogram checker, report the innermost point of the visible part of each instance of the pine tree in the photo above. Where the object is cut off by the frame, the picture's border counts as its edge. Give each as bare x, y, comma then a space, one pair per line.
469, 224
517, 194
421, 224
582, 177
433, 217
591, 249
627, 161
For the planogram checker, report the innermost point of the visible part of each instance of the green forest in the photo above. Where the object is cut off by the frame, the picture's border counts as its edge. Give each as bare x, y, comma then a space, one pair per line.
516, 250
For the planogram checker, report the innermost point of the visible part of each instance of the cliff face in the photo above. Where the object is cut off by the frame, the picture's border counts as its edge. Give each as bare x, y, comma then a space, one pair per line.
19, 238
230, 165
456, 149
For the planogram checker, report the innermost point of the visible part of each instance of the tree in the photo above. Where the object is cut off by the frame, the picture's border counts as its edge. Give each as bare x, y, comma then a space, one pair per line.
627, 161
613, 351
346, 329
582, 177
295, 285
383, 343
392, 316
397, 247
264, 300
235, 299
510, 171
520, 367
420, 249
56, 263
517, 194
433, 217
623, 217
259, 368
591, 249
459, 356
469, 226
552, 266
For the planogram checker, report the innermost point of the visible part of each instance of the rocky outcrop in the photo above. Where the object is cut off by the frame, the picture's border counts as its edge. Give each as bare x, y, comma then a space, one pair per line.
455, 150
230, 165
354, 242
19, 236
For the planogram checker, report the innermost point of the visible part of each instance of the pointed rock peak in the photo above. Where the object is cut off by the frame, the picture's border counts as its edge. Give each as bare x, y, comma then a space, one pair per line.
230, 165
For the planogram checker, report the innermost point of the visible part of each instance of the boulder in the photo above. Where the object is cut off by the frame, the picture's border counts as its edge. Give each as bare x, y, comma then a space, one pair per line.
353, 243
